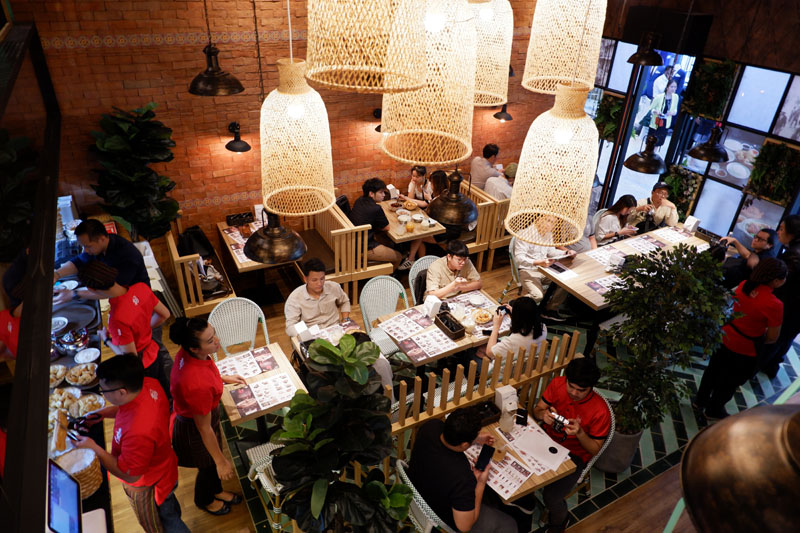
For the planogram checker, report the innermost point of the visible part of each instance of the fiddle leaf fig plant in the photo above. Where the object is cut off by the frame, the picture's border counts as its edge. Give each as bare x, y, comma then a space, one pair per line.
609, 113
674, 304
128, 143
342, 419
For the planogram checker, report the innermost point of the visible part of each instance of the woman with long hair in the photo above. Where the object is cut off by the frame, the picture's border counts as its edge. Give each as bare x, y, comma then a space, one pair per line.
735, 362
196, 391
614, 222
527, 330
420, 190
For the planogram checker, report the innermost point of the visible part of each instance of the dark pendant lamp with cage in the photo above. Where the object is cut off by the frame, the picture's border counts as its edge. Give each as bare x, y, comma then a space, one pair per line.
213, 81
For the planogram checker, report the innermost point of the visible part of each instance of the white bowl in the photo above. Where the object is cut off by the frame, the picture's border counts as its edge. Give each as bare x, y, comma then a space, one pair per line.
476, 301
57, 324
404, 218
401, 212
738, 171
87, 356
417, 218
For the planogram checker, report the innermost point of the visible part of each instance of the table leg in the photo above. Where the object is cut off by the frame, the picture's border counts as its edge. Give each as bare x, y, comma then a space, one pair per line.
551, 289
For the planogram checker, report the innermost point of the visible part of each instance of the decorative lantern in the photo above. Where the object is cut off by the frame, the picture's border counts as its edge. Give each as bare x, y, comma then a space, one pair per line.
433, 125
296, 164
494, 25
366, 46
555, 172
564, 45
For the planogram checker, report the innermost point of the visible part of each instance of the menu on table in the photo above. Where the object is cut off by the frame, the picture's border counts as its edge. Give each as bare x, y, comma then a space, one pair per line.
248, 364
406, 324
335, 332
234, 234
603, 285
264, 394
426, 345
464, 299
607, 255
238, 252
505, 476
645, 244
672, 234
535, 447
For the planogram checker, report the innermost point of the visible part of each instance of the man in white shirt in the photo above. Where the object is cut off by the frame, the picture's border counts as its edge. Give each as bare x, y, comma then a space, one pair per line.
531, 256
500, 187
482, 168
660, 83
662, 211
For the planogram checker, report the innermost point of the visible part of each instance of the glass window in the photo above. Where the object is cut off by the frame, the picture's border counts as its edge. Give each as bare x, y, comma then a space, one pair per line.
756, 215
788, 123
635, 183
742, 147
604, 62
592, 101
757, 97
621, 69
717, 206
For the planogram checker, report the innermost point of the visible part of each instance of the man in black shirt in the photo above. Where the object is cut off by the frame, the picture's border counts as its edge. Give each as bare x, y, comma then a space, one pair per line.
366, 211
445, 478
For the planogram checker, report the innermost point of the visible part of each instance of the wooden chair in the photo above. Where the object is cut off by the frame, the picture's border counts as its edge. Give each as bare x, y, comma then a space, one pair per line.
498, 236
327, 236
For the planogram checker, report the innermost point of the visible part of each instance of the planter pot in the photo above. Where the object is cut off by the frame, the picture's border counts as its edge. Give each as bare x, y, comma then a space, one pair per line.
619, 454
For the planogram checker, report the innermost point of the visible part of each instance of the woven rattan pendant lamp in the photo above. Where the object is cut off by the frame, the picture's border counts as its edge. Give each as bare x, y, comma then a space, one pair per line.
494, 25
565, 37
555, 172
366, 46
432, 125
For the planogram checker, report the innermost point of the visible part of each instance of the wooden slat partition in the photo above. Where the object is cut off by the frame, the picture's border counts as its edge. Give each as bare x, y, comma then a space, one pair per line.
498, 237
486, 220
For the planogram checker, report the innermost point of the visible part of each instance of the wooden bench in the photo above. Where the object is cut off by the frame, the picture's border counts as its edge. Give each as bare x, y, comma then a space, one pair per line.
498, 236
187, 277
480, 243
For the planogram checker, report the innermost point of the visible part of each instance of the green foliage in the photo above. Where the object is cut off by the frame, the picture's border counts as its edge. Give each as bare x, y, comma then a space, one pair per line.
343, 418
776, 173
16, 162
609, 113
675, 302
684, 185
709, 88
129, 142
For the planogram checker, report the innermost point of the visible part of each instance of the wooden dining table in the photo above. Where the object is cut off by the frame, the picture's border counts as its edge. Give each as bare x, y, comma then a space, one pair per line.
329, 333
467, 341
233, 239
397, 231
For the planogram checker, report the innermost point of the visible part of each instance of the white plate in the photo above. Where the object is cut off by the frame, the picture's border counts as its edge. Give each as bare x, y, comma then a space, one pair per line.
70, 284
696, 164
738, 171
404, 218
476, 301
400, 212
733, 144
58, 323
87, 356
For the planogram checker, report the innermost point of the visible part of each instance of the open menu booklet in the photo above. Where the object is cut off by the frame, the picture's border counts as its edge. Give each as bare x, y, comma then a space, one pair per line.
248, 364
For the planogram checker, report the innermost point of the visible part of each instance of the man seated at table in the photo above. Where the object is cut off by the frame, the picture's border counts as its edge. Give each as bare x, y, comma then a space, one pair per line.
453, 273
573, 397
445, 479
482, 168
530, 257
655, 211
500, 187
367, 211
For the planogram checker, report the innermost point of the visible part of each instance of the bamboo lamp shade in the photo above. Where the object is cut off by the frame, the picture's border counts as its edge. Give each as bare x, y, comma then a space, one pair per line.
494, 25
555, 172
296, 163
366, 46
564, 45
433, 125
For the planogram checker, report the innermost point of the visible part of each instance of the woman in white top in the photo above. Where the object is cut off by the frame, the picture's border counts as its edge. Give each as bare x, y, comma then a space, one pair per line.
614, 222
527, 330
420, 190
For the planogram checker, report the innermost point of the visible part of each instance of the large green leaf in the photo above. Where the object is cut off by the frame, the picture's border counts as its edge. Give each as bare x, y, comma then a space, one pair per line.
318, 496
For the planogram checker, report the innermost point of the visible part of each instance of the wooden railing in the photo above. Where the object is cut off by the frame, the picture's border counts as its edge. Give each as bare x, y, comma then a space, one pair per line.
483, 229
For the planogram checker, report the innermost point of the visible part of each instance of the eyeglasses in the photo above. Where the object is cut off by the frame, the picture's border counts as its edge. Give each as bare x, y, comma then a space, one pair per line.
661, 192
102, 391
757, 238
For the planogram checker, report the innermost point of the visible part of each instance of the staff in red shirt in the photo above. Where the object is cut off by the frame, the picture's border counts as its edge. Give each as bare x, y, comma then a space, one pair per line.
196, 391
733, 363
9, 322
132, 315
572, 396
141, 455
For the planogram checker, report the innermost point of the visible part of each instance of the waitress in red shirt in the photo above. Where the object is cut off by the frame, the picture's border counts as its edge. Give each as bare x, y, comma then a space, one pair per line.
735, 361
196, 391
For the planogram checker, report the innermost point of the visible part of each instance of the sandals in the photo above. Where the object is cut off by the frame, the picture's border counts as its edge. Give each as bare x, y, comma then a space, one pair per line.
233, 501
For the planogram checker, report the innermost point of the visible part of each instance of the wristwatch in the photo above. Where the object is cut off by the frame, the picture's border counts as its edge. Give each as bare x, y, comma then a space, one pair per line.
616, 234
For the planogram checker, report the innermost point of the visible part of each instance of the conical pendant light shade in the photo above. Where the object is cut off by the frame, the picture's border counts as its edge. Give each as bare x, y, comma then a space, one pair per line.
296, 164
494, 24
433, 125
711, 150
366, 46
555, 172
646, 55
274, 244
647, 161
565, 44
214, 81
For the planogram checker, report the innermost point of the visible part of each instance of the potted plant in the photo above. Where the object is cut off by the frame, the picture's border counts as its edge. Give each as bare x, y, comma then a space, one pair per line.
608, 116
132, 191
17, 160
709, 88
683, 184
776, 173
675, 304
343, 418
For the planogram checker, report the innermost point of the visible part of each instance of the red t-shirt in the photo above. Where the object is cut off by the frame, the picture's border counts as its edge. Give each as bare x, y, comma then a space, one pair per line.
196, 385
129, 321
593, 411
9, 331
763, 310
141, 441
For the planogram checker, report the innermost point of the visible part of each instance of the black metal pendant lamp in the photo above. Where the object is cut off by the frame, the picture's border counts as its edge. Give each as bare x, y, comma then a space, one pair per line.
213, 81
453, 208
273, 243
646, 55
711, 150
647, 161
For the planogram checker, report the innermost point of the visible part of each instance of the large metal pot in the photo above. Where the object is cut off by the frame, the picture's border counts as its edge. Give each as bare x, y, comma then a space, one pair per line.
72, 342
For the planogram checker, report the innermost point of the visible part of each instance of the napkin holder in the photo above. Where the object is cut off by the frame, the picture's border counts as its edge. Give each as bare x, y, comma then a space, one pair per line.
505, 398
303, 332
431, 305
449, 325
691, 224
393, 192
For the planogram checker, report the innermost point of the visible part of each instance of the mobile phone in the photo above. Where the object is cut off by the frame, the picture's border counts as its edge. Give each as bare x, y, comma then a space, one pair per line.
485, 456
486, 331
558, 268
522, 417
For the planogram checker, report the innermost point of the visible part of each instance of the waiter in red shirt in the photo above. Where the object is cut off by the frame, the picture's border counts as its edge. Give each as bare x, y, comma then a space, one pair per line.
196, 391
9, 322
572, 396
133, 313
141, 455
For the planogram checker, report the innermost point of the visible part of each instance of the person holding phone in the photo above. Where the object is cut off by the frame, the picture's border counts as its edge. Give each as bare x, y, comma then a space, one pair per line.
527, 331
655, 211
613, 224
447, 481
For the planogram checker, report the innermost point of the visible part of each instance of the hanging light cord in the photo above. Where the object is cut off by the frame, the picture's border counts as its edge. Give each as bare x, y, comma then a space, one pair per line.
289, 18
258, 51
580, 49
683, 33
208, 25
